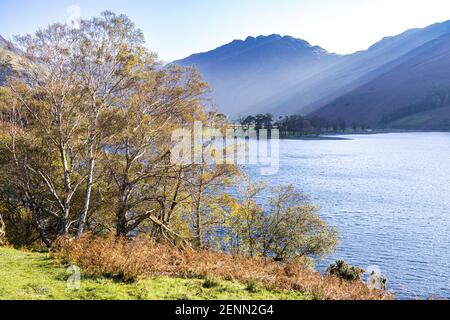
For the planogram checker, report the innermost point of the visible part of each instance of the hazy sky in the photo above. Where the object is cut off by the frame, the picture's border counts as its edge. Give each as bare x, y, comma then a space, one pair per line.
177, 28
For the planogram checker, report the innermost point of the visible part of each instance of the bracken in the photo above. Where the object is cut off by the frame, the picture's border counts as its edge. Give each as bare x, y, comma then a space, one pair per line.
142, 257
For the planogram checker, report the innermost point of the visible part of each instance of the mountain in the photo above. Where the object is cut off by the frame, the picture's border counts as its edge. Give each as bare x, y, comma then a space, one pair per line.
5, 68
244, 74
413, 94
353, 71
3, 42
284, 75
8, 59
7, 45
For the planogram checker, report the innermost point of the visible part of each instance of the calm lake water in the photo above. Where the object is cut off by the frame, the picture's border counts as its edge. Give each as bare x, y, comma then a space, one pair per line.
389, 197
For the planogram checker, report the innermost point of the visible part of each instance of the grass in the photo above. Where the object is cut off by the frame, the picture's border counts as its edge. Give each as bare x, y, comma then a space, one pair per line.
143, 258
34, 276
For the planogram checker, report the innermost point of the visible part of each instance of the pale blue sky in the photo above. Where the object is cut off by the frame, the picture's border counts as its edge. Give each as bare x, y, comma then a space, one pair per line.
177, 28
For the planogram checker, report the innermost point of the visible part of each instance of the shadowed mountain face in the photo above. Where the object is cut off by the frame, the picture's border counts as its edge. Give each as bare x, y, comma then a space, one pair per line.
244, 74
5, 68
283, 75
355, 70
8, 57
413, 94
3, 43
6, 45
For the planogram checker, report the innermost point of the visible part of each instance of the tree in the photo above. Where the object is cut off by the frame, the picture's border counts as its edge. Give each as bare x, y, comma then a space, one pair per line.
248, 121
138, 157
285, 228
244, 219
111, 56
2, 231
335, 125
76, 79
292, 124
342, 124
262, 121
318, 124
45, 140
294, 228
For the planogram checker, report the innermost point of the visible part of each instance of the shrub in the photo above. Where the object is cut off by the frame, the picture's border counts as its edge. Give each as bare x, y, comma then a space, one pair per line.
346, 272
142, 257
251, 287
286, 228
210, 283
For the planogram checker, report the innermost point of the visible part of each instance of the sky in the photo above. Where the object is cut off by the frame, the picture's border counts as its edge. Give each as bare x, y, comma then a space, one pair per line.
177, 28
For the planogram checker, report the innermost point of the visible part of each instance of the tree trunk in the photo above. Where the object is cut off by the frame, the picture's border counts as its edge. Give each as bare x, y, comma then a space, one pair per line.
197, 229
121, 224
37, 224
2, 231
89, 180
65, 224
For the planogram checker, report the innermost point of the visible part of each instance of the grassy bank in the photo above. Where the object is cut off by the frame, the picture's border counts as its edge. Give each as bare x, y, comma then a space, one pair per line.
143, 258
26, 276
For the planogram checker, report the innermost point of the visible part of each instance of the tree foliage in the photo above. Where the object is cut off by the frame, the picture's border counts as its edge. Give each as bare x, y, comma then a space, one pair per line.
284, 228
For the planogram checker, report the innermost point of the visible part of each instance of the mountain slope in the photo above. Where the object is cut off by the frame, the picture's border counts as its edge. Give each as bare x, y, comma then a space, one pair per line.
245, 73
3, 42
5, 66
413, 94
8, 59
284, 75
354, 70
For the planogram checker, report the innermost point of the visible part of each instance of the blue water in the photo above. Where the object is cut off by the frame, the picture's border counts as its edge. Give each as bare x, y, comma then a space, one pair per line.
389, 197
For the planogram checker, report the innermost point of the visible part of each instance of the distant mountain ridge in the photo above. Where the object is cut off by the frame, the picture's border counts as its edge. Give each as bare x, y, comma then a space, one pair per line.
399, 82
245, 72
284, 75
8, 57
3, 42
413, 94
360, 67
7, 45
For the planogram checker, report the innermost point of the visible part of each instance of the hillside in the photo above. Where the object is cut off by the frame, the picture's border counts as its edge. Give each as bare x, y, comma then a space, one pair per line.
283, 75
414, 94
8, 59
353, 71
3, 42
33, 276
245, 74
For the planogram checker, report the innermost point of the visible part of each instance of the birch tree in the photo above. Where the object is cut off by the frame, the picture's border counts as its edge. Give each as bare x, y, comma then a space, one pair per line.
75, 78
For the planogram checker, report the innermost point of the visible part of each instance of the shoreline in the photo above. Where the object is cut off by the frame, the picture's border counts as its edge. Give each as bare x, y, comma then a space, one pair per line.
319, 138
342, 136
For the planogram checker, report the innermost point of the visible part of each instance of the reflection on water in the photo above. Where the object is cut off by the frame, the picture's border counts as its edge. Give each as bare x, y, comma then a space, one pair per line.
389, 197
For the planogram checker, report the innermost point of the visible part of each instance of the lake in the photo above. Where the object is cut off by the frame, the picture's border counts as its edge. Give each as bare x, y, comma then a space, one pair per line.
389, 197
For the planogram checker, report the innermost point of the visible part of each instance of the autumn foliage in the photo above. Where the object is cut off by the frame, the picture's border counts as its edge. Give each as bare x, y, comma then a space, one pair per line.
142, 257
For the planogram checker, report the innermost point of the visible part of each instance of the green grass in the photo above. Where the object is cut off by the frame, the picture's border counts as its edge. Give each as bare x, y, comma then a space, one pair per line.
34, 276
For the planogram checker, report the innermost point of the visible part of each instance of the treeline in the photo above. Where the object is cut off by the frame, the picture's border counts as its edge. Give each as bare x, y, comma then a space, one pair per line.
85, 147
297, 125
